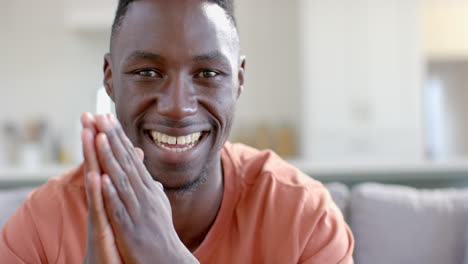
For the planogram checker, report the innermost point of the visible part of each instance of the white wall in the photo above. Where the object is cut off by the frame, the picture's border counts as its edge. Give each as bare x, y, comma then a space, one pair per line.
269, 38
47, 70
362, 80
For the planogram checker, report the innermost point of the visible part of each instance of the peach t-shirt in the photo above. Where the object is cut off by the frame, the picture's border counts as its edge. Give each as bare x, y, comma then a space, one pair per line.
270, 213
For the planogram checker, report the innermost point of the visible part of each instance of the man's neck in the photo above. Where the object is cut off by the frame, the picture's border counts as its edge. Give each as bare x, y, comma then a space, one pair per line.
194, 212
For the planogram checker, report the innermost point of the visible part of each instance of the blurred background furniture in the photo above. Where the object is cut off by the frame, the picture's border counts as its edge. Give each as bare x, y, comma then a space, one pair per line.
405, 225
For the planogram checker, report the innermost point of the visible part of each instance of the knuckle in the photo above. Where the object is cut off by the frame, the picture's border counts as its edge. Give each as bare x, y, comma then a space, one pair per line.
127, 161
139, 239
119, 214
111, 134
109, 130
123, 182
107, 150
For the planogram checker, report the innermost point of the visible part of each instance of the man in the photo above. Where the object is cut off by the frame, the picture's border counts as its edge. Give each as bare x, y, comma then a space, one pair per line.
159, 183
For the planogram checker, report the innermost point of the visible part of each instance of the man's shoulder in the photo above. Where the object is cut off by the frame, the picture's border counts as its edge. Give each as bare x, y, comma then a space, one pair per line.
254, 165
47, 217
271, 188
264, 176
55, 192
72, 178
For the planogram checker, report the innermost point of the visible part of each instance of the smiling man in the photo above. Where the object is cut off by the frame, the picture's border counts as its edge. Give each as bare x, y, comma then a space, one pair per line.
159, 183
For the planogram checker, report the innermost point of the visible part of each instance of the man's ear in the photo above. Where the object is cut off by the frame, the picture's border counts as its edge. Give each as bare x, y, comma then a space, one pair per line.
108, 76
241, 75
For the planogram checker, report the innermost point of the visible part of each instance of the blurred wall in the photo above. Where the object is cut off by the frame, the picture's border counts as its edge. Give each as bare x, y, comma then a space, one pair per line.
269, 31
48, 70
362, 80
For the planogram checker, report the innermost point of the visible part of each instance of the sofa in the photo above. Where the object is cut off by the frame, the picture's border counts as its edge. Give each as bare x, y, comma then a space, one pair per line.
395, 224
392, 224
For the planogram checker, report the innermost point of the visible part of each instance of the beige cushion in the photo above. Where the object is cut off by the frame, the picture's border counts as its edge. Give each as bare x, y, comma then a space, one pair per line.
396, 224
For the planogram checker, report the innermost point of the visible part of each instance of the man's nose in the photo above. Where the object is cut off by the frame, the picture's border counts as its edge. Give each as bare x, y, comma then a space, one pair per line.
177, 100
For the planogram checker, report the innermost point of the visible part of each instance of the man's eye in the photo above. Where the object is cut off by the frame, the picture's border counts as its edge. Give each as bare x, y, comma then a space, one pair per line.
207, 74
149, 73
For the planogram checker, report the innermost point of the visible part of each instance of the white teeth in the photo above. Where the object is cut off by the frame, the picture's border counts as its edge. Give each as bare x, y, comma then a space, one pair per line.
196, 136
188, 140
181, 141
176, 149
171, 140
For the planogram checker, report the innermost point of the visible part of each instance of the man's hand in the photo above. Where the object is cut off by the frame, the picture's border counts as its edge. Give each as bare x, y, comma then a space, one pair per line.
136, 206
100, 244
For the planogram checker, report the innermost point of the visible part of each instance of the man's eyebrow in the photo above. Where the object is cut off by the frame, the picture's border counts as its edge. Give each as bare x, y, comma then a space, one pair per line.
139, 54
211, 56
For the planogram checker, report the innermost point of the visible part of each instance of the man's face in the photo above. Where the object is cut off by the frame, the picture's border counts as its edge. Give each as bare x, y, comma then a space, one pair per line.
174, 74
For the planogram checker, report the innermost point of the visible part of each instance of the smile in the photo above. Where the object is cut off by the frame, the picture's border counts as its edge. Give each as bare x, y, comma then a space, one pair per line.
175, 144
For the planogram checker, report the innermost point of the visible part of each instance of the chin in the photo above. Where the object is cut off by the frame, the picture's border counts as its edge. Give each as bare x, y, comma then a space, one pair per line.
178, 177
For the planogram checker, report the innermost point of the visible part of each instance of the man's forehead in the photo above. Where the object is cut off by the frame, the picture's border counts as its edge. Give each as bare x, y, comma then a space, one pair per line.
197, 27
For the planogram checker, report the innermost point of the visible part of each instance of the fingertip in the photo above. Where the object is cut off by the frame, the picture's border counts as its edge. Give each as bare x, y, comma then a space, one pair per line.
85, 117
101, 138
101, 122
88, 121
140, 153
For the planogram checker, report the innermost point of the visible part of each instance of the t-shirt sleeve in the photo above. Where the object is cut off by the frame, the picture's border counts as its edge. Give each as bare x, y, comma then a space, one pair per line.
34, 232
330, 240
19, 240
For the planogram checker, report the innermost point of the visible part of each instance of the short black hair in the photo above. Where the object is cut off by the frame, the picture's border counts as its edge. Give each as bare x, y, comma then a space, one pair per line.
122, 7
